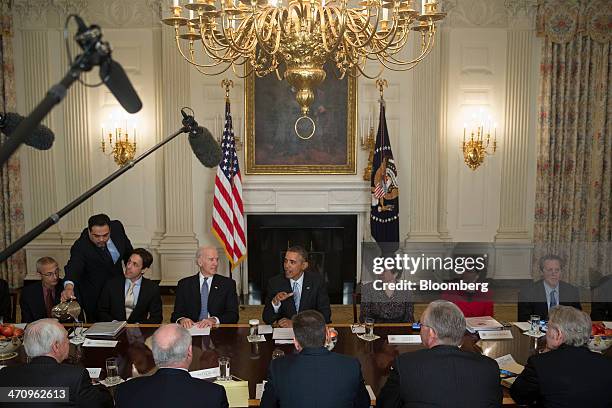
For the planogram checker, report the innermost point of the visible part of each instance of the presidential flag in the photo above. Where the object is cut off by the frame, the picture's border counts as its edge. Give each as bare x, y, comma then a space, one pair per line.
384, 212
228, 210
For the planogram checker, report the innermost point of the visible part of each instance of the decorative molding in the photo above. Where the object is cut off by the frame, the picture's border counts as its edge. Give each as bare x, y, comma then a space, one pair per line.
126, 14
32, 12
476, 13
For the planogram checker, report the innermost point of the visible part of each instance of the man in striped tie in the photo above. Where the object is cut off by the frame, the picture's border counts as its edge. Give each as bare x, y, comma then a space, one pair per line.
205, 299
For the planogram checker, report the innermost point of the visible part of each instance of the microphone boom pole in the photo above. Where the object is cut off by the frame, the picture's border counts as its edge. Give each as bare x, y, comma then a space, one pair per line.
54, 218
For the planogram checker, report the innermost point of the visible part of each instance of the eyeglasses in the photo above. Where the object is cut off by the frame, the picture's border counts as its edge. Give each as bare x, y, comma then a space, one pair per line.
49, 274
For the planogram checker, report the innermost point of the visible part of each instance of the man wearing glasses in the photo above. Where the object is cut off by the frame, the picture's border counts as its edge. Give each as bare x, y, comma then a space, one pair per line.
38, 298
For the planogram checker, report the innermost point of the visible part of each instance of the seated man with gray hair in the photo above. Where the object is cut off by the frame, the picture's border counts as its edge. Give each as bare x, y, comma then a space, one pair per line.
442, 375
46, 343
171, 385
569, 374
315, 377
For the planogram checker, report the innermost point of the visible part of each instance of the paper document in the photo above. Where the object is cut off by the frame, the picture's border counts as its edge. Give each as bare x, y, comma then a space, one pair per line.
94, 372
281, 333
404, 339
608, 325
258, 339
100, 343
264, 329
206, 373
198, 331
508, 363
237, 392
482, 323
20, 325
524, 326
495, 334
372, 396
283, 341
259, 389
107, 329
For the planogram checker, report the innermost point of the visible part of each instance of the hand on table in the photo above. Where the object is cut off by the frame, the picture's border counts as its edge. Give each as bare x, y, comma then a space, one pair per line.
210, 322
285, 323
186, 323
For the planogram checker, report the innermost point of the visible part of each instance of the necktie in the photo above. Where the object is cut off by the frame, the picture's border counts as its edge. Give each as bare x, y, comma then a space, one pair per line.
107, 254
129, 300
553, 299
204, 300
296, 296
49, 301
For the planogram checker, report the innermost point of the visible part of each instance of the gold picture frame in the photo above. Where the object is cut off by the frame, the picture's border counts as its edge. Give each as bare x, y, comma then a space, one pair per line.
272, 147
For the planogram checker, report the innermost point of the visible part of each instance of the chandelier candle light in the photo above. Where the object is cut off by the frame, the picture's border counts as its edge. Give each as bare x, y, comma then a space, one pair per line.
301, 35
120, 147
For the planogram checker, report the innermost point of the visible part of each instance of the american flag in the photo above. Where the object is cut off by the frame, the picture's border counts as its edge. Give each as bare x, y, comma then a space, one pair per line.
228, 211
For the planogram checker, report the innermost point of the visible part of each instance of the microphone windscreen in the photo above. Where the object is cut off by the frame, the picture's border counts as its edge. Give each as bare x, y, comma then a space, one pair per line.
115, 78
41, 138
205, 147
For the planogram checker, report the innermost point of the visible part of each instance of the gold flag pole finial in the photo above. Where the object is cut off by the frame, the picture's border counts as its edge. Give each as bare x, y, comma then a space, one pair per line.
382, 83
227, 84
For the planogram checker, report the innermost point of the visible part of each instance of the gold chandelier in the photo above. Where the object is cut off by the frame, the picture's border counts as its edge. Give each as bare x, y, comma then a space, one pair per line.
301, 35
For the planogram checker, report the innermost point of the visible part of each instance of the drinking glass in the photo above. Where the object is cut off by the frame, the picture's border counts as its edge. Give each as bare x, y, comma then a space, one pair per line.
277, 353
79, 332
112, 371
534, 321
253, 329
369, 324
224, 369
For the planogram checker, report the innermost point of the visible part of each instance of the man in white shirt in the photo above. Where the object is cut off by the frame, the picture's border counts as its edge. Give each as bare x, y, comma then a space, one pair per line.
205, 299
295, 291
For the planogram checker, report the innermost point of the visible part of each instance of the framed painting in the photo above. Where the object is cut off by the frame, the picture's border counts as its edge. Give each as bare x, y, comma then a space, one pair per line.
272, 146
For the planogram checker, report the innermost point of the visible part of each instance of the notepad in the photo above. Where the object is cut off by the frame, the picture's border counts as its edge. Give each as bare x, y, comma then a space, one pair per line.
495, 334
94, 372
237, 392
508, 363
206, 373
100, 343
264, 329
283, 333
199, 331
524, 326
404, 339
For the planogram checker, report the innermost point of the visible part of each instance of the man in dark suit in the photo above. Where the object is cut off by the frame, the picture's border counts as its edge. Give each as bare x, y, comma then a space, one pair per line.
442, 375
132, 297
95, 258
46, 343
38, 298
539, 297
298, 290
171, 385
205, 299
5, 301
315, 377
601, 306
569, 375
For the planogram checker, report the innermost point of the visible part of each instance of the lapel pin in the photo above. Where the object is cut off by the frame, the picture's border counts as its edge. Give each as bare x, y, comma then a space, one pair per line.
307, 287
216, 287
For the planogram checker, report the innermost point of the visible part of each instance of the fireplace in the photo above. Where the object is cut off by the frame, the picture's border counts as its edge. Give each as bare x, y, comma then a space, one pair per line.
331, 241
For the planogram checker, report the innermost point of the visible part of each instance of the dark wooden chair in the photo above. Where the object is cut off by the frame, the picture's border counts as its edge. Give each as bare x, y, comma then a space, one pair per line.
356, 301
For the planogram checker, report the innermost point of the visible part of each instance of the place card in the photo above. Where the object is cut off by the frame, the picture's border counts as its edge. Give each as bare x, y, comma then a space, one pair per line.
256, 339
404, 339
524, 326
20, 325
283, 341
199, 331
94, 372
206, 373
283, 333
358, 328
265, 329
100, 343
608, 325
495, 334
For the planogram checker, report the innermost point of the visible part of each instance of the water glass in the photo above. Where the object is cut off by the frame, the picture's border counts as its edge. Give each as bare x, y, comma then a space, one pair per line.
253, 329
369, 324
534, 321
277, 353
224, 369
79, 332
112, 371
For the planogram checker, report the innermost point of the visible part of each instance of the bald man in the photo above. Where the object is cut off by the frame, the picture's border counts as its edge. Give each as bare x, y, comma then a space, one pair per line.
171, 385
205, 299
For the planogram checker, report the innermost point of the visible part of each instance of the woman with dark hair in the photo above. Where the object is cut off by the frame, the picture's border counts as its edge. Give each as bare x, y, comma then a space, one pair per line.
383, 304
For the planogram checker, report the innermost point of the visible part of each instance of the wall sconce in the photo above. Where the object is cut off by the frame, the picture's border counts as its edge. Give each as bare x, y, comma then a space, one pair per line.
477, 146
119, 145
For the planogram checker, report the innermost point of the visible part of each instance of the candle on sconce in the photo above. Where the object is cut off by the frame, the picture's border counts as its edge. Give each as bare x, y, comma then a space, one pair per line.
191, 11
385, 14
464, 133
175, 3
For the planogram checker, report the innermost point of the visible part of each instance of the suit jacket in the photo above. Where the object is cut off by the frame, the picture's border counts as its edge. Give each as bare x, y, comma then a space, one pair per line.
89, 269
601, 307
532, 300
148, 307
5, 301
314, 296
222, 299
315, 377
443, 376
170, 387
47, 372
565, 377
32, 301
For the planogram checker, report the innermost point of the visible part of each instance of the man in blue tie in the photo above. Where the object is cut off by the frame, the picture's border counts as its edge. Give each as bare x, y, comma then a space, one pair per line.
295, 291
541, 296
205, 299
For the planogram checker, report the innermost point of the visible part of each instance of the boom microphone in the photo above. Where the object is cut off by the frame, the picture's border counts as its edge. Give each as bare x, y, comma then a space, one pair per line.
205, 147
41, 138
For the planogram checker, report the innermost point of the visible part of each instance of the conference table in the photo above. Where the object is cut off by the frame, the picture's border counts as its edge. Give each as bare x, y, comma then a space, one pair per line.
249, 361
